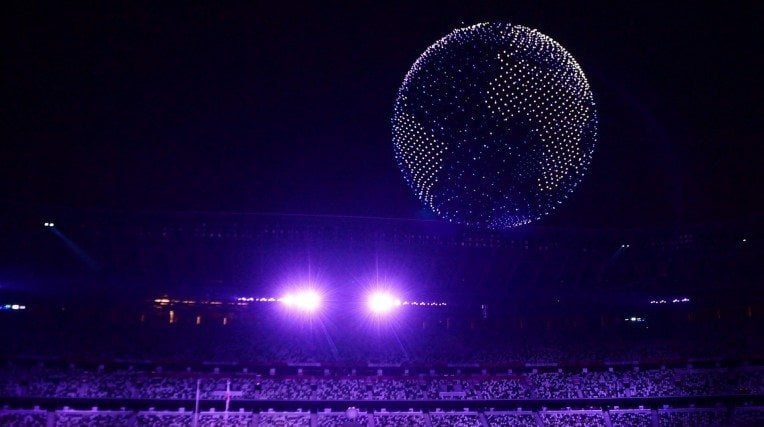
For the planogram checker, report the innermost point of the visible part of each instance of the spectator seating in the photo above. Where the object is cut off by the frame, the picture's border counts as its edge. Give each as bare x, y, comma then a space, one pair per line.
514, 418
631, 418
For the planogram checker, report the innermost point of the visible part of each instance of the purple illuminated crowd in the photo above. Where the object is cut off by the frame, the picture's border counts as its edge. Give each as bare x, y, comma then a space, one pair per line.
559, 384
747, 416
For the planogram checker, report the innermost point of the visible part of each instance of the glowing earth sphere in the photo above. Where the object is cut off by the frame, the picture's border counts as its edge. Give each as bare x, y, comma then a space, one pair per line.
494, 125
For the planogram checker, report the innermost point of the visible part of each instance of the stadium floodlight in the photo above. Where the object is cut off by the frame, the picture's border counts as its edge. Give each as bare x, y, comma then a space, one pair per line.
305, 300
382, 302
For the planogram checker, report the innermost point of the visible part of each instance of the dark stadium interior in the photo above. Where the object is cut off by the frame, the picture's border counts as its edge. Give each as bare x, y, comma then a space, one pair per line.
206, 220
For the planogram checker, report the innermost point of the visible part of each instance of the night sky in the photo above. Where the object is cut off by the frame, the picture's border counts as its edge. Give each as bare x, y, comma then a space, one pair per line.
286, 108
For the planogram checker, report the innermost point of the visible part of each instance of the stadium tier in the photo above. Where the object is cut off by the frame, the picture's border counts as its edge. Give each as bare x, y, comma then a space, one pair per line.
542, 327
709, 416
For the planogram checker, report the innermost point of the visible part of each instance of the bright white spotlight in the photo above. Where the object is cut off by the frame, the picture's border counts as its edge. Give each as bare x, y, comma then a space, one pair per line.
383, 302
307, 300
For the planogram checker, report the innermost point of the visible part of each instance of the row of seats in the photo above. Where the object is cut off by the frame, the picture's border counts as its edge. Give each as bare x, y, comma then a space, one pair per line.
667, 417
99, 384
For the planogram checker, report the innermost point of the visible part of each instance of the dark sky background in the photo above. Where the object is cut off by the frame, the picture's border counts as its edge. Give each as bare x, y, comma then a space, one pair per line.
286, 107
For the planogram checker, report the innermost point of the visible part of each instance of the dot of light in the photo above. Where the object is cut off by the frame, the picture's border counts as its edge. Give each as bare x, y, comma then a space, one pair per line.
382, 302
305, 300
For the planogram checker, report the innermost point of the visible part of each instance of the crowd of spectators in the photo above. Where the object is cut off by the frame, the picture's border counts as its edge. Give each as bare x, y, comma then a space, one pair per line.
518, 419
744, 416
452, 419
398, 419
692, 417
164, 419
332, 419
555, 385
573, 418
92, 418
343, 389
283, 419
37, 381
271, 389
231, 419
501, 389
23, 418
634, 418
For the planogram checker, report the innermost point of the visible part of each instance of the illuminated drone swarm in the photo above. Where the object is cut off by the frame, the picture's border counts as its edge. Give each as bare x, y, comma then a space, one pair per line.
494, 125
